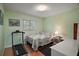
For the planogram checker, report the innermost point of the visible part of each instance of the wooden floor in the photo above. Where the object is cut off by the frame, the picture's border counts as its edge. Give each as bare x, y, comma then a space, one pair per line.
9, 52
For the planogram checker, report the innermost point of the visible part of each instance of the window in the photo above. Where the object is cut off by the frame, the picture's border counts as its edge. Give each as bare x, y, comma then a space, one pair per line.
29, 24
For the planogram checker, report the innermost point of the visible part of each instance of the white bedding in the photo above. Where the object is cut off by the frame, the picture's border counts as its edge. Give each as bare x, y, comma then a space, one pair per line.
38, 40
40, 36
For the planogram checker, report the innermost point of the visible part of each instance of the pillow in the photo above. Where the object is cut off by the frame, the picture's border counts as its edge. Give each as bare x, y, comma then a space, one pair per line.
57, 39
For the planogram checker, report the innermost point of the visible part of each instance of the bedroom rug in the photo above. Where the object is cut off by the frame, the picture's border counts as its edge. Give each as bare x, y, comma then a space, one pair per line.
46, 49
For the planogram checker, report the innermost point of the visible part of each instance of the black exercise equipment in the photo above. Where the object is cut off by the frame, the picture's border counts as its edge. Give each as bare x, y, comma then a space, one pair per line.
18, 49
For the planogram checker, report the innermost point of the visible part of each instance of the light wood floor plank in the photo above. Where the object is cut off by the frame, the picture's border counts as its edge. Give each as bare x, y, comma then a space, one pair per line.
9, 52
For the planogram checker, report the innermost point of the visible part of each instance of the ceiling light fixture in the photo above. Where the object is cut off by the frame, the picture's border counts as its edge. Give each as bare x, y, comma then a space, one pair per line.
41, 8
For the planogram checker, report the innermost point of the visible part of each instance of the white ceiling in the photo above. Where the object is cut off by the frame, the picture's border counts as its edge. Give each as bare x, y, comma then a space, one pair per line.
29, 8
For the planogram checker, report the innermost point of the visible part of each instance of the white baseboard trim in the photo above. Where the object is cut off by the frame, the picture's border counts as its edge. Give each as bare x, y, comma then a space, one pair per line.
7, 46
3, 52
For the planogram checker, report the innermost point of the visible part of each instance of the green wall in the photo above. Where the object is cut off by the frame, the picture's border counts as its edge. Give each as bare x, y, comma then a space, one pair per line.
15, 15
1, 34
63, 23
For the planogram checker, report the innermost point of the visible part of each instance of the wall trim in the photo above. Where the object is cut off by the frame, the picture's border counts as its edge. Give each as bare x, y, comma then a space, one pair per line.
3, 52
7, 46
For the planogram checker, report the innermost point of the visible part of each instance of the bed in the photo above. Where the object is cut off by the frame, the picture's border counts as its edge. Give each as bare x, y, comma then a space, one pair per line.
39, 40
